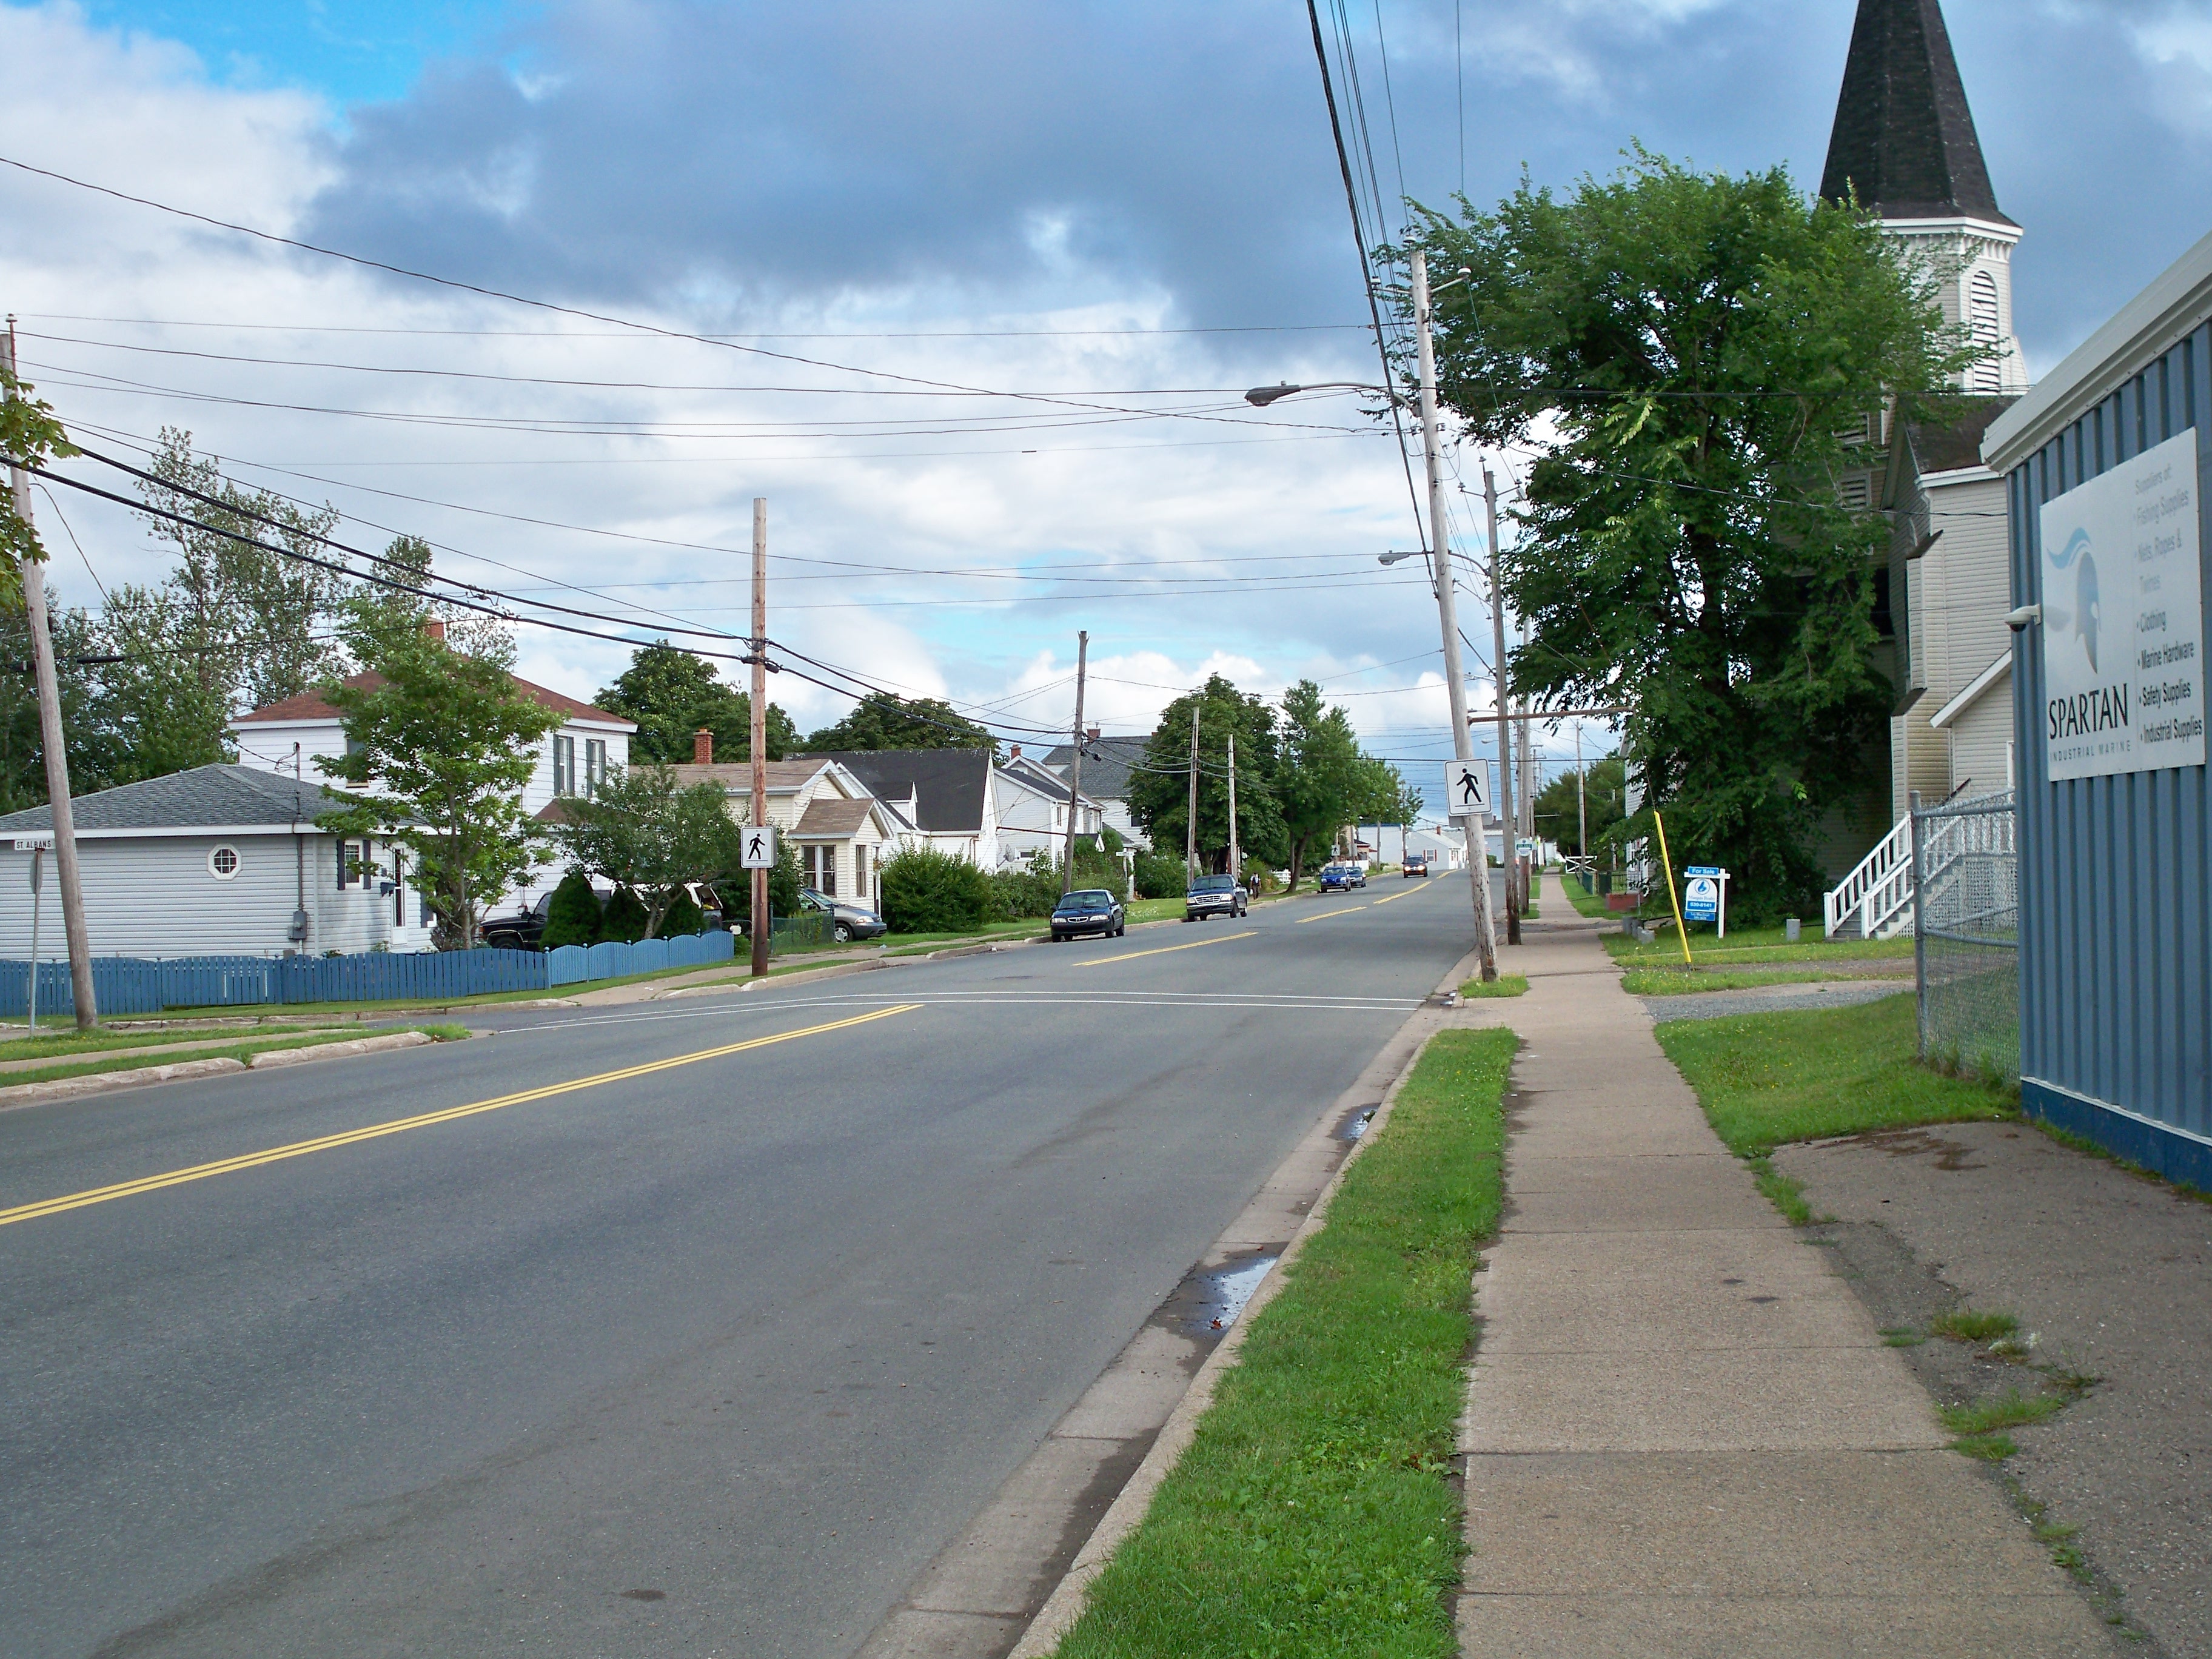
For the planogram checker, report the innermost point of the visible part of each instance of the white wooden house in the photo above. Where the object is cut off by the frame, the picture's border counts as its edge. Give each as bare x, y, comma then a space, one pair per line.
1031, 802
841, 833
286, 737
219, 860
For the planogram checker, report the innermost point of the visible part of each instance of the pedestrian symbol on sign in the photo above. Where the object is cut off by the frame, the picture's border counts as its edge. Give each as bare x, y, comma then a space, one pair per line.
759, 848
1466, 789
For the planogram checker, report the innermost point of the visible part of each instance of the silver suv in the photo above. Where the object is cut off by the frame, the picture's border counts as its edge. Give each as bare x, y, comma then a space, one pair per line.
1213, 896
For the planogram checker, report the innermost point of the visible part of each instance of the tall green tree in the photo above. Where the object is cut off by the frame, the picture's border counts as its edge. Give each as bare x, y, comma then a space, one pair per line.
438, 752
672, 694
1604, 798
1695, 354
96, 755
30, 435
1158, 790
881, 720
255, 624
1320, 777
643, 830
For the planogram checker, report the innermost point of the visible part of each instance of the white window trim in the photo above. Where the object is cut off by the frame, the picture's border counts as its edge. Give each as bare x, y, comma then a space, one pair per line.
236, 862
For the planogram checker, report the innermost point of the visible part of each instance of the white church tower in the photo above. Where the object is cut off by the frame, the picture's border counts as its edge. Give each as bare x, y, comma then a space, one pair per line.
1904, 144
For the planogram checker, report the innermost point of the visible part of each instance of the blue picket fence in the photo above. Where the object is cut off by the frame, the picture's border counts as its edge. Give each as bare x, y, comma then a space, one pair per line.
573, 963
125, 985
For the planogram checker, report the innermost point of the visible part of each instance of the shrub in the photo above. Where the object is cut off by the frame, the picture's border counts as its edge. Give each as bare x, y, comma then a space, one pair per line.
1029, 892
683, 917
1158, 876
927, 891
624, 918
573, 918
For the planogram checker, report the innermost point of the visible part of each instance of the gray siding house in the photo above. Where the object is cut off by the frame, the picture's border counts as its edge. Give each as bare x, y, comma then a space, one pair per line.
219, 860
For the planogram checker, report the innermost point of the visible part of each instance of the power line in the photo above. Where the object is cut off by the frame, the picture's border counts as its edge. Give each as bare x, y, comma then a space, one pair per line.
574, 334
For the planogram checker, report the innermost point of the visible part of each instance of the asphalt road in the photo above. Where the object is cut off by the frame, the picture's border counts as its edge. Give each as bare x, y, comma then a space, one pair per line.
710, 1357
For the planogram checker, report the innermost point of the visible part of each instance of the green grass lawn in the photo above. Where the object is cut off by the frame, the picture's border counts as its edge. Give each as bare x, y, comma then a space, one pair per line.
1688, 981
1588, 904
1317, 1513
64, 1040
1765, 1080
1505, 985
1745, 945
127, 1060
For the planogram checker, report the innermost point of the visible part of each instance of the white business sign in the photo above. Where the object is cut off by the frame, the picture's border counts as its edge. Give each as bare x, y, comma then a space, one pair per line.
2124, 619
1466, 789
759, 847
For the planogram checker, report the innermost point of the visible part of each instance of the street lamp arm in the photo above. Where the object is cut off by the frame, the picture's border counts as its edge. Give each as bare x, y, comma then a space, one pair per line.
1261, 396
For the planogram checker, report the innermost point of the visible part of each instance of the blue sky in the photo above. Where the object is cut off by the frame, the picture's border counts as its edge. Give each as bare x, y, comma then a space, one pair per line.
1126, 204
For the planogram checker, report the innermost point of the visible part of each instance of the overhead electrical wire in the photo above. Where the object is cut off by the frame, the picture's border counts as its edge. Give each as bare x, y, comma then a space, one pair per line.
619, 334
557, 309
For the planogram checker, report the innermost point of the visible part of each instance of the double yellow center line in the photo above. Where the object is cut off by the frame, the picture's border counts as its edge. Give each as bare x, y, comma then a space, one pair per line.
401, 1124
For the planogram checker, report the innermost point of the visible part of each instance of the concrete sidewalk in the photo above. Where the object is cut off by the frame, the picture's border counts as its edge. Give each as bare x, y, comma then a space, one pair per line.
1683, 1434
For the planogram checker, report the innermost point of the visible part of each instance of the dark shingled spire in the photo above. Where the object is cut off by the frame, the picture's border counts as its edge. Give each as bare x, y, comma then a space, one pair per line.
1904, 138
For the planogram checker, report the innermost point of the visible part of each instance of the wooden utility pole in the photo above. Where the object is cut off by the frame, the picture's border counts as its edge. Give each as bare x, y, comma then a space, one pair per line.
1485, 930
762, 919
1509, 820
51, 741
1235, 849
1190, 829
1075, 765
1582, 804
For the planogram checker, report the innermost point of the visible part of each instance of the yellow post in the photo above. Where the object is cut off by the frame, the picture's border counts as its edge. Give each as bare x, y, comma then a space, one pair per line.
1667, 863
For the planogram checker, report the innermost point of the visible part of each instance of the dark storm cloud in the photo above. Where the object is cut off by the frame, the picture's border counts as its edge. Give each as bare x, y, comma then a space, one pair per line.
738, 157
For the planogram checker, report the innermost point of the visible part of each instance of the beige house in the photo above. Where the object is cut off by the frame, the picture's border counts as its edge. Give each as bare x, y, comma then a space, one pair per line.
841, 832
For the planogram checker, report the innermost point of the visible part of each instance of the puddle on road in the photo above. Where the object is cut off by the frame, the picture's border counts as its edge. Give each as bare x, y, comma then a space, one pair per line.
1356, 1122
1217, 1296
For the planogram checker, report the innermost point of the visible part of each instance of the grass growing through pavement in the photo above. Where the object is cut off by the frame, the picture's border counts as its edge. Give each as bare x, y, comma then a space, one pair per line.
1691, 981
1505, 985
1766, 1079
1315, 1512
1966, 1325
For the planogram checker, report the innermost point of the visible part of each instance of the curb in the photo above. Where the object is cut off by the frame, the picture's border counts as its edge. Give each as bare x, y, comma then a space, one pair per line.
1065, 1605
374, 1045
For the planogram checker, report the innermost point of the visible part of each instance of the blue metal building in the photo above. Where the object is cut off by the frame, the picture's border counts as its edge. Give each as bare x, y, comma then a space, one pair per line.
2105, 463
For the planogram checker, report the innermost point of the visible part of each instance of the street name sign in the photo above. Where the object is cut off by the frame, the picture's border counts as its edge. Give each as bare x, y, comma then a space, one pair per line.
1466, 789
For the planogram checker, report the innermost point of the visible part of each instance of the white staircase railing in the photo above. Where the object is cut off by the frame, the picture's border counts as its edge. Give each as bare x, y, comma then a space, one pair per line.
1875, 899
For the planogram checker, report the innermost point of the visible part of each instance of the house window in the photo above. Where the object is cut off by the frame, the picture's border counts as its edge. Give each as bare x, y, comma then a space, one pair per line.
860, 872
595, 764
821, 870
356, 862
1856, 491
564, 765
223, 863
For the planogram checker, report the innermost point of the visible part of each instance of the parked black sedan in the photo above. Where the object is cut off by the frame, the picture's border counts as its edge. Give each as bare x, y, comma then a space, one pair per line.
1089, 910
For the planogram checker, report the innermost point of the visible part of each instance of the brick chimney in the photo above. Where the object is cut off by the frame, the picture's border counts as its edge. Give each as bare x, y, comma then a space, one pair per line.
1091, 735
434, 630
1016, 753
702, 747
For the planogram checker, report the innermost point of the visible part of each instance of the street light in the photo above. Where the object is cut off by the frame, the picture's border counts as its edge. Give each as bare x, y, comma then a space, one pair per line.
1393, 556
1261, 396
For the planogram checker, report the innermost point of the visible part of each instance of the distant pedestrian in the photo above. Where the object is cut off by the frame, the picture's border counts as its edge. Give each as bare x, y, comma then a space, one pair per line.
1252, 883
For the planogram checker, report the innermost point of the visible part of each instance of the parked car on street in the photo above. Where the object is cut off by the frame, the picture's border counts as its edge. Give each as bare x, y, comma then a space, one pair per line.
1415, 863
1088, 910
1214, 895
1341, 878
847, 920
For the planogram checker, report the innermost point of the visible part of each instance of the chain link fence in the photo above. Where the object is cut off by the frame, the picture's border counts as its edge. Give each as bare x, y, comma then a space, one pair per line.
1966, 923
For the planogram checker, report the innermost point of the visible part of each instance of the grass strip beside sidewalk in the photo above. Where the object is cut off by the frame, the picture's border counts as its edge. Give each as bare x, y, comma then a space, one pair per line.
1315, 1511
1695, 981
1808, 1074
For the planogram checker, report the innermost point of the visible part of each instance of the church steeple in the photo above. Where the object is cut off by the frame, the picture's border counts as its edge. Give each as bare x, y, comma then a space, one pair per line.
1905, 144
1904, 137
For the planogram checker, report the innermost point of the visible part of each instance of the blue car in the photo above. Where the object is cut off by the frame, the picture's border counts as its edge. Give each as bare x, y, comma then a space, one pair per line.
1341, 878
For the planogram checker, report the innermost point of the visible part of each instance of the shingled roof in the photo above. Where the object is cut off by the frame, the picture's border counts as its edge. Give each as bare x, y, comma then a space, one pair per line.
311, 705
1904, 138
229, 797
